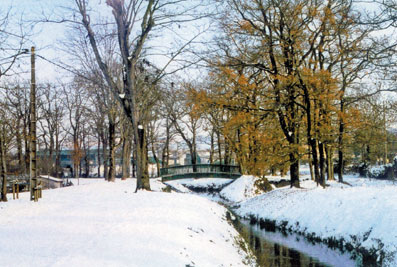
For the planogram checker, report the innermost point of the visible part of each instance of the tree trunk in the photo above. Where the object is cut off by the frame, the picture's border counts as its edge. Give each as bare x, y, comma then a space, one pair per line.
194, 160
51, 154
3, 169
194, 153
57, 154
80, 171
322, 164
112, 149
218, 135
166, 150
165, 155
294, 156
134, 163
27, 145
99, 156
212, 150
126, 157
340, 143
76, 162
105, 157
311, 169
226, 157
87, 163
294, 169
313, 149
157, 162
330, 165
143, 181
313, 159
19, 147
311, 164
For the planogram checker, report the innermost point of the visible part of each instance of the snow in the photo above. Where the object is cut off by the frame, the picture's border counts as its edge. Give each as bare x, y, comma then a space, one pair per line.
51, 178
202, 183
179, 187
338, 210
105, 224
378, 169
241, 189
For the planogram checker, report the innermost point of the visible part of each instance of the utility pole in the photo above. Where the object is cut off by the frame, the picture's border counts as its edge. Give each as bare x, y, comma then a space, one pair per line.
33, 140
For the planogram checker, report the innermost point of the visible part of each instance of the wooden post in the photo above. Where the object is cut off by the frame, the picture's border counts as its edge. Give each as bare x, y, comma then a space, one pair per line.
33, 141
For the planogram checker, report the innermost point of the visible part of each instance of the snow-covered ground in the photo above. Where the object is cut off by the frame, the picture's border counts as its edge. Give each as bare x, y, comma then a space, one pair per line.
241, 189
105, 224
367, 207
183, 185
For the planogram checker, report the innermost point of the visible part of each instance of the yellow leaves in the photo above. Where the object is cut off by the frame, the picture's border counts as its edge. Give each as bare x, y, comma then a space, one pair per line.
329, 15
242, 80
313, 11
246, 26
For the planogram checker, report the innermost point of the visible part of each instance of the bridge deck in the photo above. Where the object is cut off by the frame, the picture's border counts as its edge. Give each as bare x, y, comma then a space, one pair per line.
200, 171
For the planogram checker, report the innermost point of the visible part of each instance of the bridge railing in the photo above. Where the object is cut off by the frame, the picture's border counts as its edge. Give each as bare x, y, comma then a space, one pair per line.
199, 171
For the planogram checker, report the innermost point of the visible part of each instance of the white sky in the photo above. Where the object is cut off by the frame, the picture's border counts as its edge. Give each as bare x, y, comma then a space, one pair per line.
43, 37
47, 36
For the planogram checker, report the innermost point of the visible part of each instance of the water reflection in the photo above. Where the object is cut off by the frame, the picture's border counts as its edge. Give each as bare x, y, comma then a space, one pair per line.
276, 249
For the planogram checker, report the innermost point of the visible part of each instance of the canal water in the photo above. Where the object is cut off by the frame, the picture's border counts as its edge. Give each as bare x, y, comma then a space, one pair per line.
277, 249
285, 250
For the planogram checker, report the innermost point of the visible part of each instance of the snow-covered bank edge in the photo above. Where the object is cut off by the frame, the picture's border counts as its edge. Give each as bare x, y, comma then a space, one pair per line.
375, 256
358, 219
202, 185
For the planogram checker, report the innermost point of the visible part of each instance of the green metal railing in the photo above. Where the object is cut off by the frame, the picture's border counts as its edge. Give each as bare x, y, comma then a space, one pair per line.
200, 171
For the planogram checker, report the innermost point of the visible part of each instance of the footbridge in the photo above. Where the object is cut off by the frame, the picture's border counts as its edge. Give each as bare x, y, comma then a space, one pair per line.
199, 171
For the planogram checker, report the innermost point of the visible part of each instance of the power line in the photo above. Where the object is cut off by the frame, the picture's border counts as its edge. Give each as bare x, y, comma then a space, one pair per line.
64, 67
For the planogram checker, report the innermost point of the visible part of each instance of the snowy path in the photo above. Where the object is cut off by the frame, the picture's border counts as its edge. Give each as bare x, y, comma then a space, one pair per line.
106, 224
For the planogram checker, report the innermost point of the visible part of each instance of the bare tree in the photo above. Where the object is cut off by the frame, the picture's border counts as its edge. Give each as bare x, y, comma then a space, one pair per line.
75, 105
3, 168
135, 21
7, 125
52, 114
12, 42
13, 39
186, 121
16, 96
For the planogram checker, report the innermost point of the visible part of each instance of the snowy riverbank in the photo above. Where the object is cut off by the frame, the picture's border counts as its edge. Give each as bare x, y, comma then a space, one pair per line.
362, 215
105, 224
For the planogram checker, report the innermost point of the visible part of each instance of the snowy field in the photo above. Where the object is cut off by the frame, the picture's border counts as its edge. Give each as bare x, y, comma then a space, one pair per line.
105, 224
368, 207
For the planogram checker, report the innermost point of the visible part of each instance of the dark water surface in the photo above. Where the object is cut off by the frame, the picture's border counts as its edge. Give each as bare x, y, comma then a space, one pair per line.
277, 249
